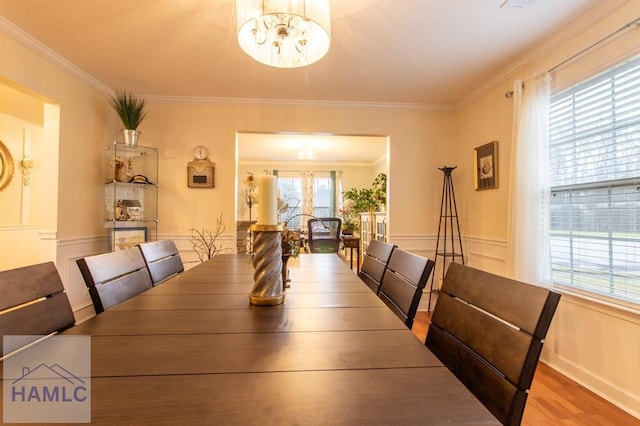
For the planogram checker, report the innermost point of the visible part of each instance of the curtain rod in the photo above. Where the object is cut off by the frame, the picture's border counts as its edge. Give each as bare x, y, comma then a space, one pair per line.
596, 44
509, 93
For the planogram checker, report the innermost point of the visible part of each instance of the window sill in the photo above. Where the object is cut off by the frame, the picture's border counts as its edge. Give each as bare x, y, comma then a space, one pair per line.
627, 311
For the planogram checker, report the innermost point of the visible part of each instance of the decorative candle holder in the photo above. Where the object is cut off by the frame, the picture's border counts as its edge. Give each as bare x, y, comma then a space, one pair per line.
267, 262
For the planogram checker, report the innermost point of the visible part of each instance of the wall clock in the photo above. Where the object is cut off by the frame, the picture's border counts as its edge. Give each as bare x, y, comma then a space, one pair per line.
200, 171
200, 153
6, 166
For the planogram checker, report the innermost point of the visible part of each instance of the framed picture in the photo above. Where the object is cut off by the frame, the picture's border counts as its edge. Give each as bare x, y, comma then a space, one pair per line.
124, 238
200, 174
486, 166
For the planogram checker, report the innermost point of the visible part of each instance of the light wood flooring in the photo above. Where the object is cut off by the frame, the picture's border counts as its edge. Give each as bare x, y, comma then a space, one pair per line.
556, 400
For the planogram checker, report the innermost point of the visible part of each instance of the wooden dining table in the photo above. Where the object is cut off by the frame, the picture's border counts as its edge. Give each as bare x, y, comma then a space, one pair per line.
193, 350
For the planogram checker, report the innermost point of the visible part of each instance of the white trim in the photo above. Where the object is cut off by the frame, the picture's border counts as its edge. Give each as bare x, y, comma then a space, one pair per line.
596, 384
10, 119
602, 306
27, 40
586, 20
48, 235
300, 102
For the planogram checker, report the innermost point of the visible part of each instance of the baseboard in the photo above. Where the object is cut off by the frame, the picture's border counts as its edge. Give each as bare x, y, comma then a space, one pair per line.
600, 386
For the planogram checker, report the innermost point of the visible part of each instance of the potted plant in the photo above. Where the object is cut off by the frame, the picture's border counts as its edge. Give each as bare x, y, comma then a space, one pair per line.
132, 110
364, 199
350, 223
380, 189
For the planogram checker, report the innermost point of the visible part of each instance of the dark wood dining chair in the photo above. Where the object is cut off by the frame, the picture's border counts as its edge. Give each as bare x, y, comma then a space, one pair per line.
324, 234
33, 303
374, 263
114, 277
489, 330
162, 259
403, 283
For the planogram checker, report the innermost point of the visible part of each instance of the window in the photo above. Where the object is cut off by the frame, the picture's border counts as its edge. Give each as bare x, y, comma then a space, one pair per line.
323, 196
595, 185
291, 192
321, 192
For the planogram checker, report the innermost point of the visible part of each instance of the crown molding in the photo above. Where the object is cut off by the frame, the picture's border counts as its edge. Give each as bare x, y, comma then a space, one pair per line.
595, 14
602, 9
300, 102
27, 40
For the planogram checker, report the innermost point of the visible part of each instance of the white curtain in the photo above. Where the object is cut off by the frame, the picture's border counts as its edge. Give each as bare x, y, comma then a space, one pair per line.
339, 191
307, 192
528, 243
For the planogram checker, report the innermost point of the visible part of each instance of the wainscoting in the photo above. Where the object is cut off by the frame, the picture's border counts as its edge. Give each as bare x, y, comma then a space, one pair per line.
482, 253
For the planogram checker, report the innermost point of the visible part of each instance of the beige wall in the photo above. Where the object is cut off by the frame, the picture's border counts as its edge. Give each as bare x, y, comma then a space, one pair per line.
596, 345
419, 140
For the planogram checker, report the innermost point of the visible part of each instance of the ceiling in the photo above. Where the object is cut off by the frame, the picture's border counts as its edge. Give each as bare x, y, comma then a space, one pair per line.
407, 52
343, 149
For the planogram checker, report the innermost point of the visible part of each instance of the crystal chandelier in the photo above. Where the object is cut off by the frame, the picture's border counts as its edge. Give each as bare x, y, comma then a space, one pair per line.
284, 33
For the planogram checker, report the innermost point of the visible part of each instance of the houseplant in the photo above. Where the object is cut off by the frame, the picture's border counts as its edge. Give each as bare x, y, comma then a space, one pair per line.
132, 110
350, 222
379, 187
364, 199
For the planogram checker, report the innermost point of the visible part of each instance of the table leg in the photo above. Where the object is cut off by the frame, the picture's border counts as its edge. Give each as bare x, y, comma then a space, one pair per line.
351, 258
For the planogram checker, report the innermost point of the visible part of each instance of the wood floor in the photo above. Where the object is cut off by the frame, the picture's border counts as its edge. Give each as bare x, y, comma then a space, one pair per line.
556, 400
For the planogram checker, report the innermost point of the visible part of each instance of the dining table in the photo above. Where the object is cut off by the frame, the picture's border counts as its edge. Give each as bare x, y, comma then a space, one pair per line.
193, 350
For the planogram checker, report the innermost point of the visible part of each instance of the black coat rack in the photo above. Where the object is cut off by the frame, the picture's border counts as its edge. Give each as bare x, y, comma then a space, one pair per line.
448, 234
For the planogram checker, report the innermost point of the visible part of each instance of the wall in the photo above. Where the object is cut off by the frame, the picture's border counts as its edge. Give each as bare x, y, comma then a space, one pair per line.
21, 200
76, 123
416, 137
596, 344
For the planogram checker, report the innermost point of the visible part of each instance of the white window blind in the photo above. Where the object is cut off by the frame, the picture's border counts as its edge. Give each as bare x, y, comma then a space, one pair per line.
322, 195
595, 185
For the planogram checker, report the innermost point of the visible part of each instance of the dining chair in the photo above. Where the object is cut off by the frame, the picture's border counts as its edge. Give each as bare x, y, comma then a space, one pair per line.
324, 234
403, 282
162, 259
374, 263
33, 303
114, 277
489, 331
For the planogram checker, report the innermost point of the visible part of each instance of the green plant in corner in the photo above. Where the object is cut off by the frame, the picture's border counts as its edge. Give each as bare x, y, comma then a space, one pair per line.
364, 199
130, 108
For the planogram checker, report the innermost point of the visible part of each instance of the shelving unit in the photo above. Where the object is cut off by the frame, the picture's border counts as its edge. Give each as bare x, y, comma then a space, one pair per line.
372, 230
449, 242
130, 194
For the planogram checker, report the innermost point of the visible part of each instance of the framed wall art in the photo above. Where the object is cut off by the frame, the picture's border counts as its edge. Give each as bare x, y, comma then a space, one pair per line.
200, 174
6, 166
124, 238
486, 166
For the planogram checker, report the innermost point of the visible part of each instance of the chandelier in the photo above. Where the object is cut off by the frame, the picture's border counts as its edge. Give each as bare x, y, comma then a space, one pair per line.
284, 33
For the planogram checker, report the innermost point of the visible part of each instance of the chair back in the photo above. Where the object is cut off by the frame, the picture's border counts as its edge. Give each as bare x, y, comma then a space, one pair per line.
374, 263
162, 259
489, 330
33, 303
403, 282
114, 277
324, 234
